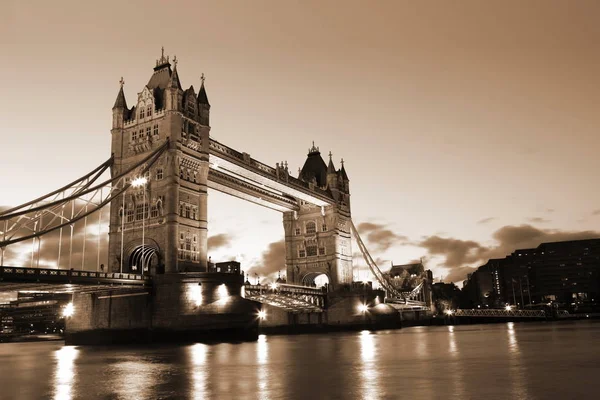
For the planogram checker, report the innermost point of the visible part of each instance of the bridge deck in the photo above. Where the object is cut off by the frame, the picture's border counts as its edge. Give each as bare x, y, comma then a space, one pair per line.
67, 281
291, 298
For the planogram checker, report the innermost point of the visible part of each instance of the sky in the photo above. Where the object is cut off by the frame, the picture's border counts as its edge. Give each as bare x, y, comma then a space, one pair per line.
468, 129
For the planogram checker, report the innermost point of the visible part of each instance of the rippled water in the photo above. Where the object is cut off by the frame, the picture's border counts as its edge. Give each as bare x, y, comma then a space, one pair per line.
503, 361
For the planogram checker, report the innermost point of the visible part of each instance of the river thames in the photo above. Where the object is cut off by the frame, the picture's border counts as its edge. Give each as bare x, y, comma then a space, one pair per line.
501, 361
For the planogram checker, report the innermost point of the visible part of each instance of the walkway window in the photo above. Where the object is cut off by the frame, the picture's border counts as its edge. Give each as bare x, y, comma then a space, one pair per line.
311, 227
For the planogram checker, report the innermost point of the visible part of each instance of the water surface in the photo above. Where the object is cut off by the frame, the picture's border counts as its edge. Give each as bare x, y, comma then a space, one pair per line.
502, 361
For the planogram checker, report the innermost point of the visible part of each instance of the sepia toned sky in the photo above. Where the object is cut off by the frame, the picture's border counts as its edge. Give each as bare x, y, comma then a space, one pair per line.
469, 128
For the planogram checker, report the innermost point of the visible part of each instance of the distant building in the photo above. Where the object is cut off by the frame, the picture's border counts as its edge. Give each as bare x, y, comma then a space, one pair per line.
566, 272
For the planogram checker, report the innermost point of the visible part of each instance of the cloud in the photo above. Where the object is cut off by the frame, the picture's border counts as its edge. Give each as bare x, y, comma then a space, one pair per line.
218, 241
379, 237
273, 260
539, 220
460, 255
486, 220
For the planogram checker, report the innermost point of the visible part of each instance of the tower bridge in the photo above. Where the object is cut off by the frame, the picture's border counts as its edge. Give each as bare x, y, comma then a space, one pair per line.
163, 161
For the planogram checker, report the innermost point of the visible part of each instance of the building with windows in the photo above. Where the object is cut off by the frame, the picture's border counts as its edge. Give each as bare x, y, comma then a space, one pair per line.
566, 272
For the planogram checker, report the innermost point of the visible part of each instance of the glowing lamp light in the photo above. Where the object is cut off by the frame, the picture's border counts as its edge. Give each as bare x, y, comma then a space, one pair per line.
262, 315
222, 292
449, 312
141, 181
508, 308
68, 310
273, 286
363, 308
196, 294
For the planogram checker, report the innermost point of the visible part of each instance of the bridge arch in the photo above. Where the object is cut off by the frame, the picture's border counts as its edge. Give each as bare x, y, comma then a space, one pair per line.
316, 278
145, 258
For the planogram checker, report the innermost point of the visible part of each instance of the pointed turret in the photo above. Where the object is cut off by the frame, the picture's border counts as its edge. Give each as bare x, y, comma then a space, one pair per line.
343, 172
202, 97
330, 167
332, 178
173, 90
203, 104
120, 107
120, 102
174, 79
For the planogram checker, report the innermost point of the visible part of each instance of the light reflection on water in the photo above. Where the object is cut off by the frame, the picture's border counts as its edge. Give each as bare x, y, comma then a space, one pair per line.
198, 357
520, 361
369, 370
262, 354
65, 374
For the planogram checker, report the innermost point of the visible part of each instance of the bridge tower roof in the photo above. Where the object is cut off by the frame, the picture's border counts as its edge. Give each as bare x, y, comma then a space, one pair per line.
314, 167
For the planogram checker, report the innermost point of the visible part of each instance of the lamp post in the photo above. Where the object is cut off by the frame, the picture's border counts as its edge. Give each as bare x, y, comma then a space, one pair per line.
141, 182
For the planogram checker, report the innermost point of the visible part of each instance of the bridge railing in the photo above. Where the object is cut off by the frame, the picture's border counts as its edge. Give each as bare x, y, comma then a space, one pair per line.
66, 274
287, 288
500, 313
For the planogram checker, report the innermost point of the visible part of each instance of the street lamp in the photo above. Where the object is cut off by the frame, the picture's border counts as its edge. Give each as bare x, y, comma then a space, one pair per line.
141, 182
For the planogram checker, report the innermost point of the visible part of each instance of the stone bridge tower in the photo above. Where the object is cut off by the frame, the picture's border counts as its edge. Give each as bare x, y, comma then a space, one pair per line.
318, 239
170, 209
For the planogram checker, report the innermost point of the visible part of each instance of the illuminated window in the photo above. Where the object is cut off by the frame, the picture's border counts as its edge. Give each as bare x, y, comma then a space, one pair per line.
159, 174
311, 227
311, 251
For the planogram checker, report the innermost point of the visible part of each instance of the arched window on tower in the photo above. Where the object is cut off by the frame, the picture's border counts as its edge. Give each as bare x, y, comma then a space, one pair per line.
311, 227
142, 113
149, 110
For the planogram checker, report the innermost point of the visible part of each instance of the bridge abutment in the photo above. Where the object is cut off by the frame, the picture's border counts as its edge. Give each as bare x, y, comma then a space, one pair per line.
178, 308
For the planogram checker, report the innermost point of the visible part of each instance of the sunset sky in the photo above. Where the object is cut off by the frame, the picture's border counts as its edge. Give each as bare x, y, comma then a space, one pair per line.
469, 128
